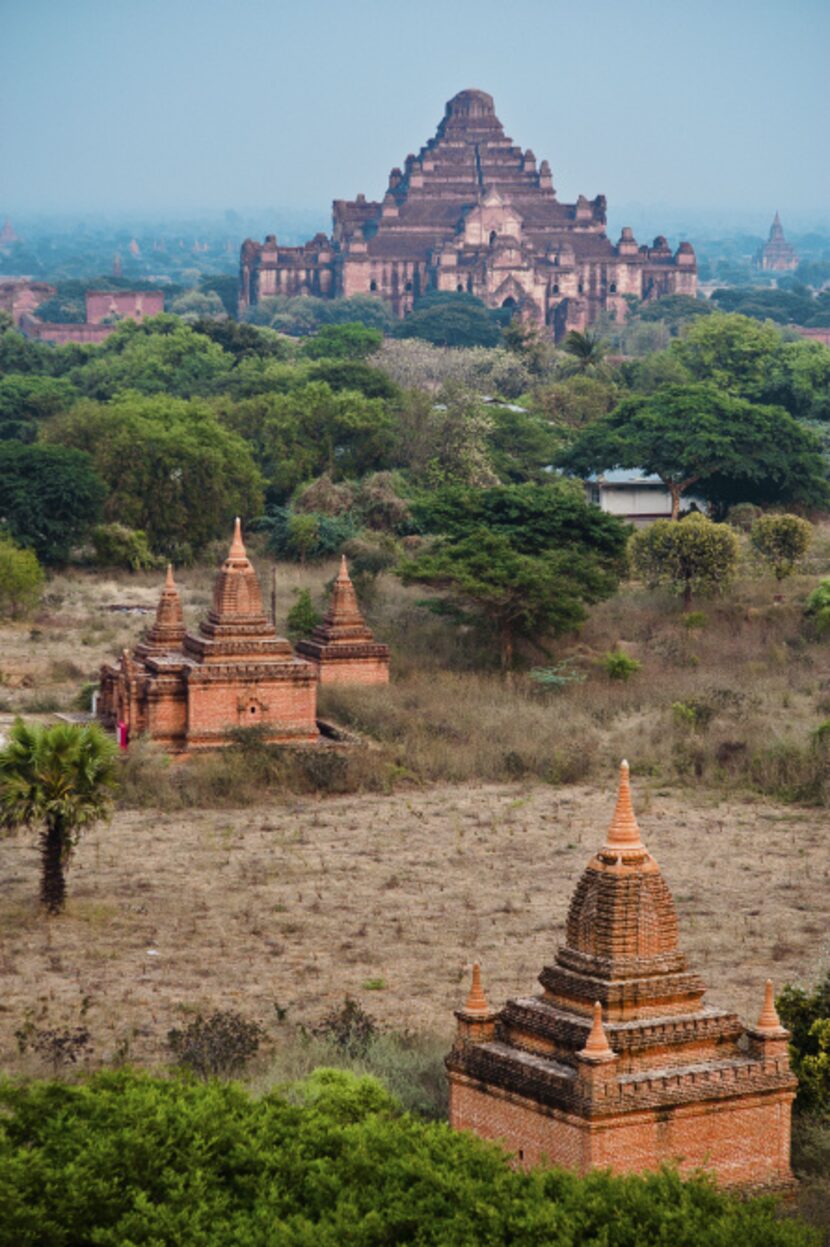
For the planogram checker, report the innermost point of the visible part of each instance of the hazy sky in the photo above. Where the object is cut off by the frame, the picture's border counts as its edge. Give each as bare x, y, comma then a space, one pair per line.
166, 105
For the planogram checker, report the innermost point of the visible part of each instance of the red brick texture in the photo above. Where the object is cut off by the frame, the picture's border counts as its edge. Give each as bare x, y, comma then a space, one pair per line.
619, 1063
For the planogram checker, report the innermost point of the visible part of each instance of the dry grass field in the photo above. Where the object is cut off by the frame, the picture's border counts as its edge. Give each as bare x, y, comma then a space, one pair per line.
460, 834
386, 898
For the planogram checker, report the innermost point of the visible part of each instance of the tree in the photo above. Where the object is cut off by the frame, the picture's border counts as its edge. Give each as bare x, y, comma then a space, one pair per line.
782, 541
50, 497
298, 436
172, 469
25, 399
157, 356
520, 595
586, 349
356, 375
21, 580
576, 401
61, 778
732, 353
694, 556
303, 616
445, 440
447, 319
245, 341
728, 449
348, 341
798, 379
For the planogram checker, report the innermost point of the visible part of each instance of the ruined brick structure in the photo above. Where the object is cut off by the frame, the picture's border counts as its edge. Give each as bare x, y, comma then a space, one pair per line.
20, 296
776, 255
342, 648
104, 308
471, 212
618, 1063
188, 690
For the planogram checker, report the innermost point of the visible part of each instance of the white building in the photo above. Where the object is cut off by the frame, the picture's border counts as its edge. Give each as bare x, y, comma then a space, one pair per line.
635, 496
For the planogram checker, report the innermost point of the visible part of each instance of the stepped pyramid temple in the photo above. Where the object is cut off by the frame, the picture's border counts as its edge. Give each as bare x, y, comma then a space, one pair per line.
776, 255
342, 649
472, 212
618, 1063
188, 690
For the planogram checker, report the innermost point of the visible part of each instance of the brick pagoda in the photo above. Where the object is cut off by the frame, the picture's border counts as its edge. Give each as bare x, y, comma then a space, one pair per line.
618, 1063
342, 648
776, 255
472, 213
188, 690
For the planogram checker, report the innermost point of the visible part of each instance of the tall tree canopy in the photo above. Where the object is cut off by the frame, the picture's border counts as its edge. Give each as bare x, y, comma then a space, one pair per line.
698, 437
172, 470
50, 497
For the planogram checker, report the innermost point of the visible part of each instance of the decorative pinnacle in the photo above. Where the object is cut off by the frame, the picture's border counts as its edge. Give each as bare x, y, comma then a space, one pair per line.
597, 1045
169, 582
237, 550
624, 833
476, 1001
769, 1019
343, 574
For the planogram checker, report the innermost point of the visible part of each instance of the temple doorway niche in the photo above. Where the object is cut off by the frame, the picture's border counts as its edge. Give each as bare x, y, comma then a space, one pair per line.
509, 302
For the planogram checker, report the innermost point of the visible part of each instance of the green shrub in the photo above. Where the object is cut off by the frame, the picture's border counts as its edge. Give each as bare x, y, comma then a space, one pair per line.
618, 665
305, 535
127, 1158
806, 1014
817, 607
694, 620
781, 541
116, 545
303, 616
21, 580
690, 556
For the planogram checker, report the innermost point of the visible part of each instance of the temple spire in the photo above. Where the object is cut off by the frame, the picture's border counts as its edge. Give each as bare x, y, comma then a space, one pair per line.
624, 833
768, 1019
169, 582
237, 550
476, 1001
597, 1045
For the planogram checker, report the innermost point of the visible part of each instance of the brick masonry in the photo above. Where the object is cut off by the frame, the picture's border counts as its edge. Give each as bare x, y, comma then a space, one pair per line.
618, 1063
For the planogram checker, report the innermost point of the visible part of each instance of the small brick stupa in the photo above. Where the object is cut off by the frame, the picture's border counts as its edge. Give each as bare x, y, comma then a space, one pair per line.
342, 648
187, 691
619, 1064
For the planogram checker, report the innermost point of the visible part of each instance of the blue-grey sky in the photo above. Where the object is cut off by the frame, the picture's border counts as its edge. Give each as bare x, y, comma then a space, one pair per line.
155, 106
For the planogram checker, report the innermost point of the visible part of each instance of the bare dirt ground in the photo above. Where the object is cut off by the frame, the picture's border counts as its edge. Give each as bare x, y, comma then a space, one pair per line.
387, 898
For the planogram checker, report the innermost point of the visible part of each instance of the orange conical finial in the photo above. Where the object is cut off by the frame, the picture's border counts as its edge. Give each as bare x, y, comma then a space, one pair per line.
597, 1044
169, 582
476, 1001
237, 550
769, 1019
624, 832
343, 574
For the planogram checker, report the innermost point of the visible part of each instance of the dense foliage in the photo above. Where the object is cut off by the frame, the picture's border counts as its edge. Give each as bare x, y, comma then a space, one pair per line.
693, 556
806, 1014
50, 497
128, 1158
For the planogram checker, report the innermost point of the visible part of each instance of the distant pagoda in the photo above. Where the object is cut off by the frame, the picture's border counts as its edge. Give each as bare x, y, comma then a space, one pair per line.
619, 1064
342, 647
776, 255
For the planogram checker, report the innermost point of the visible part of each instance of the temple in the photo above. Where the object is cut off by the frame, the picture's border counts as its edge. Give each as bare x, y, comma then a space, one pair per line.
188, 691
618, 1063
776, 255
342, 648
472, 212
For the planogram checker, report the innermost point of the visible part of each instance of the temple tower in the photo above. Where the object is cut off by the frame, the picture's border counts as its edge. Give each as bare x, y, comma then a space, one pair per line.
342, 648
618, 1063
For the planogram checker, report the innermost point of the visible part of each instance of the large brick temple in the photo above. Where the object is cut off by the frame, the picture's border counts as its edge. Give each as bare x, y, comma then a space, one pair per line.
473, 212
618, 1063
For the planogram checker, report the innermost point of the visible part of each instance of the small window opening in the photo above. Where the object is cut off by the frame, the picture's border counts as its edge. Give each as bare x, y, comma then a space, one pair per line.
613, 287
373, 285
556, 288
493, 237
408, 286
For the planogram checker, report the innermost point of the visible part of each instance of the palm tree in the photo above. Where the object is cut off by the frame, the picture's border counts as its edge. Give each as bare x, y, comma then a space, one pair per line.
587, 349
60, 778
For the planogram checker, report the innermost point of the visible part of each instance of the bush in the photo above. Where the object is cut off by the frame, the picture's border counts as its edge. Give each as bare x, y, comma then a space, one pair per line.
303, 616
116, 545
781, 541
127, 1158
21, 580
619, 666
806, 1014
218, 1046
691, 555
817, 607
305, 536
